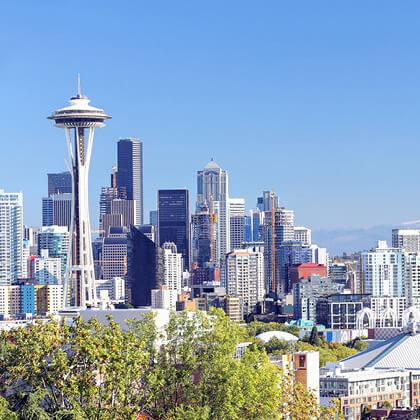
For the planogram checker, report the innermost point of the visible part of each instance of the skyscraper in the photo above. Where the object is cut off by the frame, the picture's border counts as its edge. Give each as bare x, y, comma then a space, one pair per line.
237, 222
130, 172
79, 121
145, 269
407, 239
213, 190
59, 183
56, 210
11, 237
173, 221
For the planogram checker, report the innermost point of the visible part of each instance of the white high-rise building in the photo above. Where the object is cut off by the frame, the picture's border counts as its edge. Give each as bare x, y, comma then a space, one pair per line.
245, 277
407, 239
11, 236
383, 271
164, 298
4, 300
237, 222
303, 234
319, 255
412, 279
173, 270
46, 269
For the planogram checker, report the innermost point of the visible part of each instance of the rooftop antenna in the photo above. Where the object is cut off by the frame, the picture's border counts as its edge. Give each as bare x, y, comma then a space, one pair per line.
78, 85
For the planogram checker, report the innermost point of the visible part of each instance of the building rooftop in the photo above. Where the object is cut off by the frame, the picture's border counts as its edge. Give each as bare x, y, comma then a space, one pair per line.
212, 165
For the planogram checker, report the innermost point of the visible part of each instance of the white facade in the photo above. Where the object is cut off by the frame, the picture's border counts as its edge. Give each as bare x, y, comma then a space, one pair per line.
319, 255
55, 297
303, 234
412, 279
25, 259
164, 298
383, 271
11, 236
4, 300
47, 270
115, 288
407, 239
173, 271
237, 222
245, 277
388, 311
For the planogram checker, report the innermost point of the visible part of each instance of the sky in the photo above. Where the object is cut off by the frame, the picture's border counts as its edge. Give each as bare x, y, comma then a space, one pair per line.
317, 100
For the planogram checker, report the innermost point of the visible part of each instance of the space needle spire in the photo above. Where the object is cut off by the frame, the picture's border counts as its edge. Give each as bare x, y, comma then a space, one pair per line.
79, 121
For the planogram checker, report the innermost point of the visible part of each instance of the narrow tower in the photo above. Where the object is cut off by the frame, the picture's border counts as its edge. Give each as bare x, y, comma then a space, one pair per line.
79, 120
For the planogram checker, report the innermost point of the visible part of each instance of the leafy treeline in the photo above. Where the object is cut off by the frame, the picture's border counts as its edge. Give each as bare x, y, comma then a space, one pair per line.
91, 371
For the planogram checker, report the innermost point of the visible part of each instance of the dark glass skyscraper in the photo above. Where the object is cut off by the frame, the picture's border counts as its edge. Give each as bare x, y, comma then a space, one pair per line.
173, 221
59, 183
130, 173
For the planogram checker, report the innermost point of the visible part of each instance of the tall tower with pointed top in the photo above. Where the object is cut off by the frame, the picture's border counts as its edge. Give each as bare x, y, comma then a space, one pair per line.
79, 121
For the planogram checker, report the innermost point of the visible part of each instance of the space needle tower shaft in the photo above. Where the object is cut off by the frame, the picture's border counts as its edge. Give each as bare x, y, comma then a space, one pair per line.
79, 121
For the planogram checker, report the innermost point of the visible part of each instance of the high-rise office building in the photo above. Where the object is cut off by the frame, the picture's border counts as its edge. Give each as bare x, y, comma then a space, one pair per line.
114, 253
173, 221
264, 202
283, 231
145, 268
213, 190
203, 236
237, 222
383, 271
56, 210
153, 218
11, 237
130, 173
173, 270
59, 183
406, 239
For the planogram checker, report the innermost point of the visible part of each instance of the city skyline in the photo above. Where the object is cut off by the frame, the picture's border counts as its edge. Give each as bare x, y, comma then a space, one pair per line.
297, 96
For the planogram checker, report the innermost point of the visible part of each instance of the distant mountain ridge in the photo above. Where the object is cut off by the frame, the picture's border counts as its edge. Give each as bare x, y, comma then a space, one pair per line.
351, 240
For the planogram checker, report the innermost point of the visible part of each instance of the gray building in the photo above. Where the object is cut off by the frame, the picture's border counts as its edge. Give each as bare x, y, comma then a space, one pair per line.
59, 183
308, 292
407, 239
56, 210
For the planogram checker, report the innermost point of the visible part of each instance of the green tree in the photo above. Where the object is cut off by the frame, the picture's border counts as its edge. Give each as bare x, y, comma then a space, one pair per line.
314, 337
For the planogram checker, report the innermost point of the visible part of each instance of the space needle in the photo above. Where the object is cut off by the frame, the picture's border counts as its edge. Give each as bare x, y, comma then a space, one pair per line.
79, 121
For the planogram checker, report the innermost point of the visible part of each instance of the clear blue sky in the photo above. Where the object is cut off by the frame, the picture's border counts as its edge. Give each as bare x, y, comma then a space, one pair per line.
319, 100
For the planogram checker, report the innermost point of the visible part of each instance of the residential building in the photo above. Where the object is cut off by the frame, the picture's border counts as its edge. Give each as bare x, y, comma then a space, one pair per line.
172, 271
130, 173
56, 240
412, 279
383, 271
48, 298
338, 272
46, 269
173, 221
387, 310
233, 308
406, 239
4, 300
11, 237
114, 287
245, 277
303, 234
164, 298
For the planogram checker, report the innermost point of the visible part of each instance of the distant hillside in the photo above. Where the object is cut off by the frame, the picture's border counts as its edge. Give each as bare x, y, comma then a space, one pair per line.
351, 240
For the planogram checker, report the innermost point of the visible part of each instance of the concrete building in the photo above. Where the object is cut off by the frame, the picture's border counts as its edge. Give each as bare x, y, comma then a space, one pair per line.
172, 271
46, 269
11, 237
237, 222
387, 310
114, 287
59, 183
298, 272
56, 210
303, 235
383, 271
164, 298
307, 293
48, 299
412, 279
406, 239
338, 272
233, 308
245, 277
55, 239
4, 300
114, 253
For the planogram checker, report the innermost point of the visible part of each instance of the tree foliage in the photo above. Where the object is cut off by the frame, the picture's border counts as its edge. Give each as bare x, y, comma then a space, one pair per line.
186, 370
